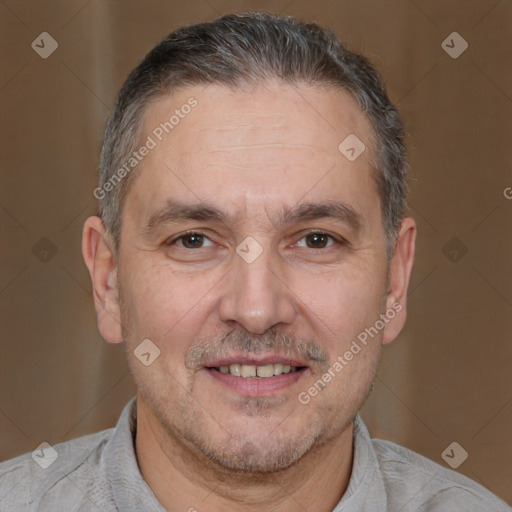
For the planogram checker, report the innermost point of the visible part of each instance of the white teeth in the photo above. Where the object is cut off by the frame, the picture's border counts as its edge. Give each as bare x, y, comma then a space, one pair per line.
248, 371
235, 369
263, 372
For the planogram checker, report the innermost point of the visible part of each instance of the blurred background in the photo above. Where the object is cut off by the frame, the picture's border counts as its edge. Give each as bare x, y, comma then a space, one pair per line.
447, 65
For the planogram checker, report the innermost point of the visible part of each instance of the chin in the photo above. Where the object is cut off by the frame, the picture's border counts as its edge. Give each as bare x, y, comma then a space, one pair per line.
245, 457
261, 446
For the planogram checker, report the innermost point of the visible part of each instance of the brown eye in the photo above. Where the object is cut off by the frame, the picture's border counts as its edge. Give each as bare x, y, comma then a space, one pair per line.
317, 240
192, 241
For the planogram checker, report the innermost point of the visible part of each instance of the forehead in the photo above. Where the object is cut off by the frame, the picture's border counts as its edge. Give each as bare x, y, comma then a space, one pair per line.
270, 145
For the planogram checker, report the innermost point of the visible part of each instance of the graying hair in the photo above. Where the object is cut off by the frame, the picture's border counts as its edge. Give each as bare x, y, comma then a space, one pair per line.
238, 50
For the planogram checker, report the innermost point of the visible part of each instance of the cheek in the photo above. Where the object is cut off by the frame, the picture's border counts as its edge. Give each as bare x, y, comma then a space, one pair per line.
163, 303
344, 302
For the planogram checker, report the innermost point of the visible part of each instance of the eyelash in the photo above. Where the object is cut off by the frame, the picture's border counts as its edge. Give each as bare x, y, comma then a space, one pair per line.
172, 241
337, 239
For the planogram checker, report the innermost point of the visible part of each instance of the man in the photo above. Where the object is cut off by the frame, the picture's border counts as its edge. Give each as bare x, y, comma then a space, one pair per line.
253, 255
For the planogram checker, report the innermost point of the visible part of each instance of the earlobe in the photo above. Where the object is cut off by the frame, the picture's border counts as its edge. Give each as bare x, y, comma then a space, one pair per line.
399, 274
100, 260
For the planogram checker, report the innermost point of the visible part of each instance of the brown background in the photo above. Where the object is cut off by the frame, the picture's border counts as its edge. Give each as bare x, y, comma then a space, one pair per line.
446, 378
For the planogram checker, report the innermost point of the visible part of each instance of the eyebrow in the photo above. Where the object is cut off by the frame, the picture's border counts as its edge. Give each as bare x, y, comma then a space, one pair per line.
331, 209
175, 211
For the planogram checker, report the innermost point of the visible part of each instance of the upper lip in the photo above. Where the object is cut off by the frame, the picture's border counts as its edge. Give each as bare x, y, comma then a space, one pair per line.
254, 360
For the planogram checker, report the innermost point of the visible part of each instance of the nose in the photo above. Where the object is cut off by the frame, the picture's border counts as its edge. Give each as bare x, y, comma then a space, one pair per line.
256, 295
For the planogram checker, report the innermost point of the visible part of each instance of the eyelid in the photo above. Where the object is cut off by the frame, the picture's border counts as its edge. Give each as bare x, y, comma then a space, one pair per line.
179, 236
336, 238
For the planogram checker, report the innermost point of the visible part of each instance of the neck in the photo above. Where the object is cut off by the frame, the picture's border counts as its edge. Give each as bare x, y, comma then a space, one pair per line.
182, 478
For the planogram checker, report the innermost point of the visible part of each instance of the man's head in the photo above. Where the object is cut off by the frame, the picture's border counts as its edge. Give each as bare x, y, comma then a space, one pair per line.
261, 228
240, 51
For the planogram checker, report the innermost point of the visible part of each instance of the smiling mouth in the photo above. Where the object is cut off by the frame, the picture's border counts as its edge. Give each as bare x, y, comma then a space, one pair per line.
248, 371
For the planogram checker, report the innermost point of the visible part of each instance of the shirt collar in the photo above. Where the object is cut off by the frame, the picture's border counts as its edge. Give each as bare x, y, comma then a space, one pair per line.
365, 491
130, 491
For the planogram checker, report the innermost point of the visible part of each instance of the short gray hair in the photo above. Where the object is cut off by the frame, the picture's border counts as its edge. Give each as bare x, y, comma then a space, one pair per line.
237, 50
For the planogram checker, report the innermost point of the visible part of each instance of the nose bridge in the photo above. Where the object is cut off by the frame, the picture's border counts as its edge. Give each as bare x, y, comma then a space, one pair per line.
256, 297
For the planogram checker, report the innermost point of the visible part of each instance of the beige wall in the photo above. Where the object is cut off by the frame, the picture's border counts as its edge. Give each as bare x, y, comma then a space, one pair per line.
446, 378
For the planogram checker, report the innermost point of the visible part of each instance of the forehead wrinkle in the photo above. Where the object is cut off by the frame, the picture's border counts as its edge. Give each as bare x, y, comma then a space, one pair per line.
246, 118
261, 145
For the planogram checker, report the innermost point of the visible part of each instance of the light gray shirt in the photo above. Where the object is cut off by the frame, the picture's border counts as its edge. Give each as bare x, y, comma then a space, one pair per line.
99, 473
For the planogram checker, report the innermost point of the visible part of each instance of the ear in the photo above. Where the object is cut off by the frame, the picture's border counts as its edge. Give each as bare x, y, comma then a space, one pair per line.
399, 274
100, 260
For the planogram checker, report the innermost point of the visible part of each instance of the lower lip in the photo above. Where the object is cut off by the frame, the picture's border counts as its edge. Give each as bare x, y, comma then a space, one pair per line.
252, 387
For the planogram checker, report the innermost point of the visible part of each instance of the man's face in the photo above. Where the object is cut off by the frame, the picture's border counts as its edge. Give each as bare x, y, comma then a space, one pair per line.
263, 164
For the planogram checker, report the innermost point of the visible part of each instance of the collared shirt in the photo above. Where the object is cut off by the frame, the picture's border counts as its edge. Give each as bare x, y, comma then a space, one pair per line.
100, 473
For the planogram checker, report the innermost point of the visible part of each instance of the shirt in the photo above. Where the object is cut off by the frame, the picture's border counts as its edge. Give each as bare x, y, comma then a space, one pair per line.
99, 472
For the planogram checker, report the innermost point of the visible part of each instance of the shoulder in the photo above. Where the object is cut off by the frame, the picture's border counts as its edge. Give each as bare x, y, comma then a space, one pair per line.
417, 483
27, 479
